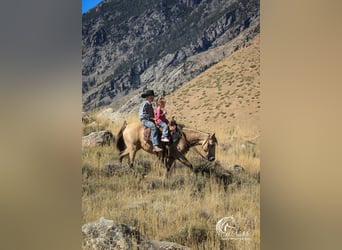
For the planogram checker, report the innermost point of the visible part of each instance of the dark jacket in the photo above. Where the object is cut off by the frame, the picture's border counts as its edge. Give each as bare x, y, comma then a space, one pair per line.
146, 111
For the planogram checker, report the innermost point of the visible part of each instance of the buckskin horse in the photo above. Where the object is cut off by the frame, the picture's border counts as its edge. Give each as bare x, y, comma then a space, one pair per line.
130, 139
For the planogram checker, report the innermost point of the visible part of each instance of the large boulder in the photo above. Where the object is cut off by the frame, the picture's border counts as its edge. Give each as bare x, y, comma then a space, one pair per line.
100, 138
106, 234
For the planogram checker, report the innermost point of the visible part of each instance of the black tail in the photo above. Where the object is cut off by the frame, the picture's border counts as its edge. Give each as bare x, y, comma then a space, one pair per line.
120, 143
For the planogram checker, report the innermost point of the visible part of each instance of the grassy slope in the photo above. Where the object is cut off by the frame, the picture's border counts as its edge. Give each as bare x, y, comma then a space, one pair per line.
225, 95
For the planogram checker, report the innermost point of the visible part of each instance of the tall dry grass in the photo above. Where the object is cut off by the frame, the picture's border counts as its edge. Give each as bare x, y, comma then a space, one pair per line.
183, 208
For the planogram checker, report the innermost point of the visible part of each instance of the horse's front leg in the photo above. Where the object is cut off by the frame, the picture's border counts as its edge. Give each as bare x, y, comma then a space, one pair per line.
185, 161
179, 156
165, 155
169, 163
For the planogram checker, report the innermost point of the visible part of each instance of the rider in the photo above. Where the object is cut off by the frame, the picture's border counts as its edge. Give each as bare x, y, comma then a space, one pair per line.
174, 130
146, 116
160, 117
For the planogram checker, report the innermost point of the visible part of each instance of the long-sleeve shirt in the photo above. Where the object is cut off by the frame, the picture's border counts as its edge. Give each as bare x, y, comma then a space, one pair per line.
160, 115
146, 111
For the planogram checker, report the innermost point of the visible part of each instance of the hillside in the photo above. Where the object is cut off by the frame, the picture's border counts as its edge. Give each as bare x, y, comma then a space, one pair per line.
227, 94
126, 50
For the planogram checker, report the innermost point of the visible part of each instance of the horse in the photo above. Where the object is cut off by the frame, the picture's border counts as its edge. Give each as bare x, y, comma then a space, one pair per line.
130, 139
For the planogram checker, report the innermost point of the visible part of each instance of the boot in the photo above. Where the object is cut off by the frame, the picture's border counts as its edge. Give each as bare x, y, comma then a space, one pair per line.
156, 149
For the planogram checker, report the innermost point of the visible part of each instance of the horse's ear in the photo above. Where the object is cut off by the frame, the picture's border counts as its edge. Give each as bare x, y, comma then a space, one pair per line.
214, 137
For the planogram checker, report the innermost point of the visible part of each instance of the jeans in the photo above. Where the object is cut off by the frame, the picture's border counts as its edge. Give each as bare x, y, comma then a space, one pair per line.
165, 129
154, 132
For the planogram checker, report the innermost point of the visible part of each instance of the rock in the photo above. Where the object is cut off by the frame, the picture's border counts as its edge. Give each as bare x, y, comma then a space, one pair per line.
236, 168
101, 138
106, 234
166, 245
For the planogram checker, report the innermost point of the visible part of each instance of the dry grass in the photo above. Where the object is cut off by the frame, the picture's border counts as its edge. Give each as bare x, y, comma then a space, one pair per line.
183, 208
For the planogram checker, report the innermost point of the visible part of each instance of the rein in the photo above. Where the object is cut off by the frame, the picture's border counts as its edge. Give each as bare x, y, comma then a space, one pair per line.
195, 149
198, 152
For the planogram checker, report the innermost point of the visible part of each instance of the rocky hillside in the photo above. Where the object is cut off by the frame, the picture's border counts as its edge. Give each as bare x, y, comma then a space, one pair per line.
157, 44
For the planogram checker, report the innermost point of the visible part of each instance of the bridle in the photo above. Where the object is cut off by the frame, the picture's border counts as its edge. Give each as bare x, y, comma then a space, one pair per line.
196, 150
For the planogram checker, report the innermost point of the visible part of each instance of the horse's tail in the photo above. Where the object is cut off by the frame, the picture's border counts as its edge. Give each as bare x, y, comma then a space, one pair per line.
120, 142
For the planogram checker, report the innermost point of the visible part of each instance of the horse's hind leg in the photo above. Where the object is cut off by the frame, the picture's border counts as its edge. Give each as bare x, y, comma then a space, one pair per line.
131, 157
122, 155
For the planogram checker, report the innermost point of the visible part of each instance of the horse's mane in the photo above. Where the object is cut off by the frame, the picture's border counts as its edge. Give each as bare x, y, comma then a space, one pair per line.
195, 130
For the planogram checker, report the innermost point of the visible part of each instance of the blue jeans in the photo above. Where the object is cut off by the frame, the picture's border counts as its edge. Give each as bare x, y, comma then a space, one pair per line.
154, 132
165, 129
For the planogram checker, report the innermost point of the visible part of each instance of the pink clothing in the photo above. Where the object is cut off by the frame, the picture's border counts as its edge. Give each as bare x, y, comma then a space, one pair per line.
160, 115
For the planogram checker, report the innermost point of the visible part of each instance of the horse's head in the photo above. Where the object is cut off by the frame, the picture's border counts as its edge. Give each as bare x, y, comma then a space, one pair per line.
209, 147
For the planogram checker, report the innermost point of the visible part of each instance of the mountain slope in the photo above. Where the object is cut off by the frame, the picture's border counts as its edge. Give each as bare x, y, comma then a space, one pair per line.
225, 95
126, 49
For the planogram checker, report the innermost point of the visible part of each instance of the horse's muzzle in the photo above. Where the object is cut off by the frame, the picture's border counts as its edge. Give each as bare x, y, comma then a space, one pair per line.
211, 158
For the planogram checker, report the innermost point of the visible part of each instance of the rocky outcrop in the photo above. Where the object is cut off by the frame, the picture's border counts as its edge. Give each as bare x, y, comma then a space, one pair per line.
100, 138
106, 234
126, 49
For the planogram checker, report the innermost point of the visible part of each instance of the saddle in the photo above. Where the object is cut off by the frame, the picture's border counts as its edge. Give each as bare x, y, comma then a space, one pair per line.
175, 132
147, 133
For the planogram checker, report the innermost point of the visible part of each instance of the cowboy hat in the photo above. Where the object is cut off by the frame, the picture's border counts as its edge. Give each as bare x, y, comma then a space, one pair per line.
148, 93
